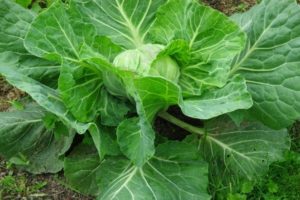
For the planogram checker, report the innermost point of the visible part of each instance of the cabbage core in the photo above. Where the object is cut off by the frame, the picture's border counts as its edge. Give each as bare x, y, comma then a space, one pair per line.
144, 61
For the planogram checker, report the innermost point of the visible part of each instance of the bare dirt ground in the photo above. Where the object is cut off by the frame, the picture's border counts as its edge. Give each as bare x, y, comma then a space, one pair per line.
231, 6
7, 94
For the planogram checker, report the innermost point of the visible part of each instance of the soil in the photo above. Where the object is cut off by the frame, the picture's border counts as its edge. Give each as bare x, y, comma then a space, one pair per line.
8, 94
231, 6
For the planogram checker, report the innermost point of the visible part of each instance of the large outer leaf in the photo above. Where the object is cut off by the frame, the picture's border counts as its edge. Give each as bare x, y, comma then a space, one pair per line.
67, 36
43, 95
271, 61
244, 152
211, 37
233, 96
125, 22
14, 22
63, 32
23, 135
176, 172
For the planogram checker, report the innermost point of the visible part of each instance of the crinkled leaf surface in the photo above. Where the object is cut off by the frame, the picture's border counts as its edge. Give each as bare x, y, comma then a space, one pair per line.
176, 172
126, 23
211, 37
271, 62
233, 96
243, 152
24, 135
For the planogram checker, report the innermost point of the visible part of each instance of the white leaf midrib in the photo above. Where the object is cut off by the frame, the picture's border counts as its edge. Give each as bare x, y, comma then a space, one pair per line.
230, 149
236, 67
135, 31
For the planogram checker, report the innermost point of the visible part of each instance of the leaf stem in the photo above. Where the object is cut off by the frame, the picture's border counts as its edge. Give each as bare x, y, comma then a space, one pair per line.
188, 127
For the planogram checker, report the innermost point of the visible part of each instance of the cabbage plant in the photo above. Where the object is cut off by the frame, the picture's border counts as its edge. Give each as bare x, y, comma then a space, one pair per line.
103, 71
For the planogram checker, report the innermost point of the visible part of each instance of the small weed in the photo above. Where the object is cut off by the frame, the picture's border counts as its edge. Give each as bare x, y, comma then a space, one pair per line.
17, 186
241, 7
282, 181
